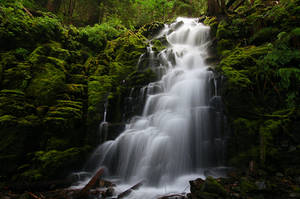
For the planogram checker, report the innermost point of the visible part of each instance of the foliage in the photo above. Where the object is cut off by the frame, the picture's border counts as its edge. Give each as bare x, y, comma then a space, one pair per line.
261, 69
97, 36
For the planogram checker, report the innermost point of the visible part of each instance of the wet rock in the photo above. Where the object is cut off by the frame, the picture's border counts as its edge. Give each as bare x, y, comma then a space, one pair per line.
261, 185
108, 192
294, 195
208, 189
247, 186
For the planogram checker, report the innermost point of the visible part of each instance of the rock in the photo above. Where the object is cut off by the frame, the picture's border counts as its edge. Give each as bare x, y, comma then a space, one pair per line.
261, 185
294, 195
278, 174
247, 186
108, 192
212, 186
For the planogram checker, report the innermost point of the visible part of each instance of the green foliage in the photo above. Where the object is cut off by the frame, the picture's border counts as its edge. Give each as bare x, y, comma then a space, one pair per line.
54, 162
47, 84
96, 36
261, 82
264, 35
66, 114
288, 74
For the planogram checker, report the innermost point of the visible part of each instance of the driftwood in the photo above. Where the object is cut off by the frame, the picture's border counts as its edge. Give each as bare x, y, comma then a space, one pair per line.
128, 191
34, 196
91, 183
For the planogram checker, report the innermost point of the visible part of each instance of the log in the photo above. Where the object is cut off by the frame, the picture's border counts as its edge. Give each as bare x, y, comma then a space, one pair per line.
92, 182
171, 196
34, 196
128, 191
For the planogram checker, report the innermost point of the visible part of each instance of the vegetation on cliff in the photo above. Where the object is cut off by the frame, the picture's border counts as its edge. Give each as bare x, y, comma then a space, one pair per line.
55, 78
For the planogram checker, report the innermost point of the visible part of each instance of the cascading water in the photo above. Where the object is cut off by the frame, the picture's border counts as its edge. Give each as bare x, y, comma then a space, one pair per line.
179, 136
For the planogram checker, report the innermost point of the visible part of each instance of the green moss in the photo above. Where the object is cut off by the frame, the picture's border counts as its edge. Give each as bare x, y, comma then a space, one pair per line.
98, 90
66, 114
264, 35
247, 186
57, 144
224, 45
236, 79
213, 23
222, 31
212, 186
47, 85
296, 32
54, 162
7, 120
244, 57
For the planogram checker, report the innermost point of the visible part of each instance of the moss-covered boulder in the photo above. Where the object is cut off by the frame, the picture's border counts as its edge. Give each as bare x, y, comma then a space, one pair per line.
209, 188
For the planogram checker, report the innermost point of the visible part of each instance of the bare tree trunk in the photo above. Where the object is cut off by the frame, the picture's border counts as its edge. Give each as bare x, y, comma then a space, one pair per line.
213, 7
53, 5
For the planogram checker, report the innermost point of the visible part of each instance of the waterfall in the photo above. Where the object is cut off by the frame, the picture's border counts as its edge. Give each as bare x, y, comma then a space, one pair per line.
103, 127
179, 133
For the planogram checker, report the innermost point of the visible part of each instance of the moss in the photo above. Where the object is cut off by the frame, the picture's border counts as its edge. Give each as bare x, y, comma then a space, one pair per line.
32, 175
7, 120
47, 85
244, 57
54, 162
213, 23
247, 186
55, 143
157, 45
264, 35
13, 102
78, 90
98, 90
222, 31
66, 114
224, 45
236, 79
212, 186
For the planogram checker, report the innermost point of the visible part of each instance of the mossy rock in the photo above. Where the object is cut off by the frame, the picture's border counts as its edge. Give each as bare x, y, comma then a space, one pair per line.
157, 45
13, 102
247, 186
224, 45
213, 23
152, 29
66, 114
47, 85
55, 163
77, 79
264, 35
77, 90
222, 31
211, 185
241, 58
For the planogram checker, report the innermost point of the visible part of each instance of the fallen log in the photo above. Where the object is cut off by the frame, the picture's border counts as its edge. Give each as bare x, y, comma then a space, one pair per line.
128, 191
34, 196
173, 195
92, 182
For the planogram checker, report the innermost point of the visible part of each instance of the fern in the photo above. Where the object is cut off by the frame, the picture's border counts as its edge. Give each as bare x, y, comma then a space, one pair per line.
286, 74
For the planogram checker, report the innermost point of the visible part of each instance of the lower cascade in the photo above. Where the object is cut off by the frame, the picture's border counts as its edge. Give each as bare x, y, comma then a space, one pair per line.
180, 135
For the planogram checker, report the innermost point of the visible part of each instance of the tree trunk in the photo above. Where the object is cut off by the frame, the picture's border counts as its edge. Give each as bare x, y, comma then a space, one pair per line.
53, 5
213, 8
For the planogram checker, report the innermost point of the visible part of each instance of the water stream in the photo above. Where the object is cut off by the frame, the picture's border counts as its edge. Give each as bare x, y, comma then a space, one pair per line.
179, 136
